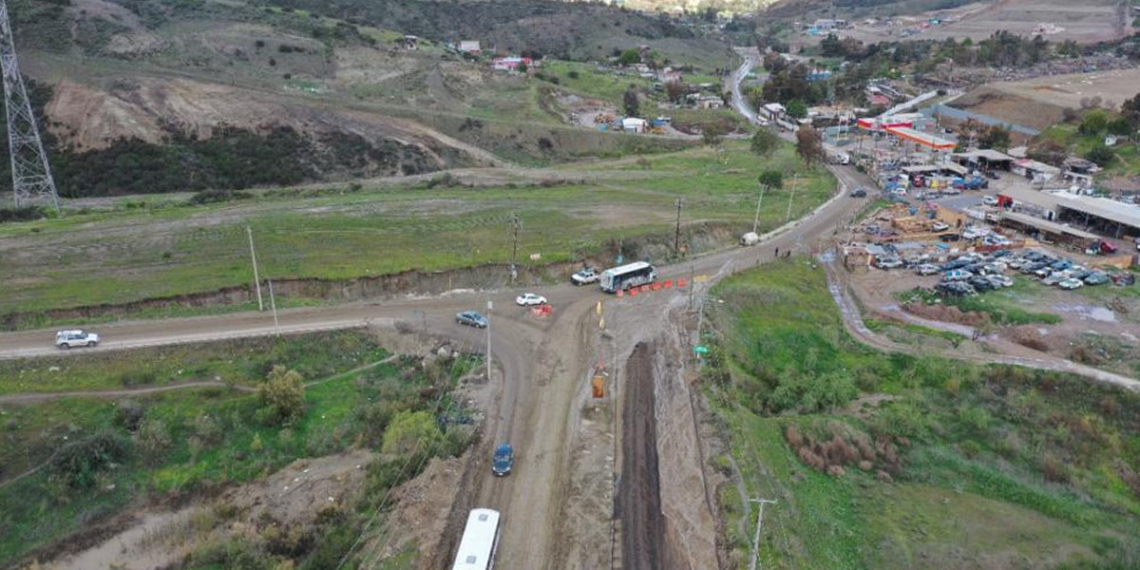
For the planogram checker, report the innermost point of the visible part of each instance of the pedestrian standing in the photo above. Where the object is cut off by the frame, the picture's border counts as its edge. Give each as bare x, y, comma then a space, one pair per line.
777, 256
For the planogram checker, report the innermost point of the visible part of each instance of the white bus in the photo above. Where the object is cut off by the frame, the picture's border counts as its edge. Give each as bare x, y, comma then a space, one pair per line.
626, 276
480, 539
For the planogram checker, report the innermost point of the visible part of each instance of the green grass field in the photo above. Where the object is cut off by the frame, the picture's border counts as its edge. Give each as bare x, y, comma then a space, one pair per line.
214, 436
131, 253
970, 467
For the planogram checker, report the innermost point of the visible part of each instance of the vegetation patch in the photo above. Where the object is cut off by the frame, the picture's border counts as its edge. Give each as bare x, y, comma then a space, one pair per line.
1052, 457
180, 444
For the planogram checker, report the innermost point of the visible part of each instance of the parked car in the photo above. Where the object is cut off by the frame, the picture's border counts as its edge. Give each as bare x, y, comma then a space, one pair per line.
926, 269
1070, 284
981, 283
940, 226
73, 338
955, 264
1097, 278
1079, 273
999, 254
529, 300
503, 460
888, 262
858, 193
1061, 265
1001, 280
1055, 278
955, 288
989, 200
957, 275
991, 175
471, 319
950, 237
586, 276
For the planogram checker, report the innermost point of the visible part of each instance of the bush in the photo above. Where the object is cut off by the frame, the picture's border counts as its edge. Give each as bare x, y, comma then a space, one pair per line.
128, 414
79, 463
282, 397
411, 432
773, 179
217, 196
24, 214
153, 437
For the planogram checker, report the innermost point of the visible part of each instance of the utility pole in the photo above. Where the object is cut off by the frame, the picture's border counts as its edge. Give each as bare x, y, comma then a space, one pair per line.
677, 233
515, 251
489, 307
273, 303
756, 220
256, 279
756, 540
795, 180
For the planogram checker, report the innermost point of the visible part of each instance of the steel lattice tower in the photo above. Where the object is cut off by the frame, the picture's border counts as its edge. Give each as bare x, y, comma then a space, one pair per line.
31, 175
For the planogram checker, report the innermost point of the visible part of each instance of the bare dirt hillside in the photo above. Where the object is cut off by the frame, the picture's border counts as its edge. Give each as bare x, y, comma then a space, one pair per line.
86, 117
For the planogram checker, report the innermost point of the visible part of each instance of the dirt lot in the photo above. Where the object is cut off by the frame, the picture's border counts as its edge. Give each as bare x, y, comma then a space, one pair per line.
1099, 327
1085, 22
1067, 90
994, 101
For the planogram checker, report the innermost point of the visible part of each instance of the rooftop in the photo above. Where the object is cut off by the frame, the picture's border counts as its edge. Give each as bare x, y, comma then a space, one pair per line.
1112, 210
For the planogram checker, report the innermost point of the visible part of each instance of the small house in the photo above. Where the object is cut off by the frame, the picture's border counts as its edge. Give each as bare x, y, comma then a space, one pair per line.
409, 43
510, 63
470, 46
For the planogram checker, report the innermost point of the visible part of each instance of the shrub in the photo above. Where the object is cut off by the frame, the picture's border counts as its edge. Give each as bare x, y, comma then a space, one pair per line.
153, 437
217, 196
412, 432
282, 397
24, 214
128, 414
78, 463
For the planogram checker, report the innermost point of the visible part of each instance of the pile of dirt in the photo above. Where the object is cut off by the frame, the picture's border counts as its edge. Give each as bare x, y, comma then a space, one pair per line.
946, 314
1028, 336
1011, 108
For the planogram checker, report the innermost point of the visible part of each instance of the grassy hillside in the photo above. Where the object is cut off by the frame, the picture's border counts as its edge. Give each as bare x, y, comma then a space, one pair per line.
154, 248
890, 461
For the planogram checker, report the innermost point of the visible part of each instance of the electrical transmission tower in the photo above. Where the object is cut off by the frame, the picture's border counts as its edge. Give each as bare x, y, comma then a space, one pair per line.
31, 175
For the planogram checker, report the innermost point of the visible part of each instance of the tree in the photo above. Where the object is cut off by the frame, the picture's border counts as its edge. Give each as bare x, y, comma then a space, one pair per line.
765, 142
411, 432
632, 105
630, 57
1094, 123
797, 109
675, 91
521, 67
773, 179
994, 137
1120, 127
809, 145
1100, 154
282, 396
1131, 110
712, 134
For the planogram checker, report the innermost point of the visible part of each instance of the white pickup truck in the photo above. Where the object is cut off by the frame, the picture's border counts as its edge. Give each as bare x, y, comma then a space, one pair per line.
584, 277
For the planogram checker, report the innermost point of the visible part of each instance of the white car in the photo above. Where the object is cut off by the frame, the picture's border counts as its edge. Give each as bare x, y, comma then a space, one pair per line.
69, 339
940, 226
926, 269
530, 299
1070, 284
990, 201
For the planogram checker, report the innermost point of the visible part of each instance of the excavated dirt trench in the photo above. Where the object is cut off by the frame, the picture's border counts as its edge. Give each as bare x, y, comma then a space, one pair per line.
639, 491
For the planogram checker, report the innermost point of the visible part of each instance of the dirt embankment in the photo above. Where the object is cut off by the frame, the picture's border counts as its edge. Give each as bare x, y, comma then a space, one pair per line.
639, 492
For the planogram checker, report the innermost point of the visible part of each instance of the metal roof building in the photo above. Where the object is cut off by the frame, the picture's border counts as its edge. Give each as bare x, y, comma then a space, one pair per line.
1111, 216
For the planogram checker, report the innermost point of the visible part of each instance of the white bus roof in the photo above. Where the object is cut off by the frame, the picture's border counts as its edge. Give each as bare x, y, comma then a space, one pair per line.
478, 543
628, 267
